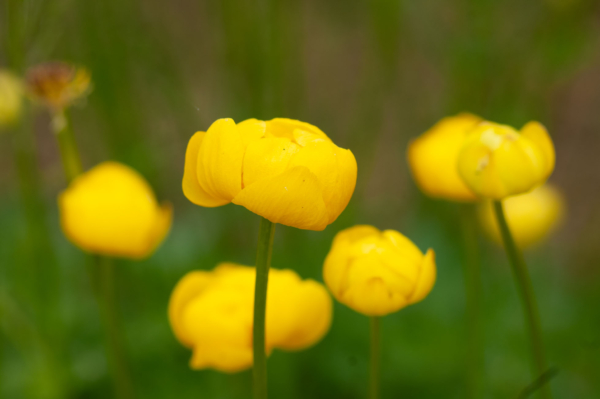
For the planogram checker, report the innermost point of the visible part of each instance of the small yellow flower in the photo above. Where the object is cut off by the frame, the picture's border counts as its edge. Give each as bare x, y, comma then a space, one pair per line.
211, 313
530, 216
287, 171
496, 161
377, 273
433, 156
111, 210
11, 98
58, 85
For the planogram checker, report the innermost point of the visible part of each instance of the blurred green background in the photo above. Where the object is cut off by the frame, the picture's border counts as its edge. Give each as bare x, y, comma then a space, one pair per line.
372, 75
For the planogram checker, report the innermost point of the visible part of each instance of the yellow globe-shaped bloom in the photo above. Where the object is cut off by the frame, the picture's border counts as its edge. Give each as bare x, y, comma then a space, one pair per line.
531, 217
11, 98
111, 210
211, 313
496, 161
287, 171
377, 273
57, 84
432, 158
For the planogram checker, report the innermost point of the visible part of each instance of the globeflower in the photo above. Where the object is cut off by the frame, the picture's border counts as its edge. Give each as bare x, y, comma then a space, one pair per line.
284, 170
433, 156
377, 273
496, 161
530, 216
111, 210
211, 312
11, 98
58, 85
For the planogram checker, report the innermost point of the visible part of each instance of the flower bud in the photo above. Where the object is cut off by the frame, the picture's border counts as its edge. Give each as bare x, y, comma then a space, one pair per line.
432, 158
211, 312
287, 171
377, 273
496, 161
531, 217
58, 85
11, 98
111, 210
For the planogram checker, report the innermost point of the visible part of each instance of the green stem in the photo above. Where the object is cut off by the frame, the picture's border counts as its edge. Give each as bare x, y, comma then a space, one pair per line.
106, 295
374, 371
61, 124
263, 263
472, 277
527, 295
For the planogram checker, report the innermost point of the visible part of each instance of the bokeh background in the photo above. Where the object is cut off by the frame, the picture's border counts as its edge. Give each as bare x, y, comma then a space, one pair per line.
372, 75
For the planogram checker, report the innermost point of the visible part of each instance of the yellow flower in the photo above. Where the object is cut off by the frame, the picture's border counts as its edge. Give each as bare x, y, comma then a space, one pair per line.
211, 313
496, 161
287, 171
11, 98
530, 216
111, 210
57, 84
433, 156
377, 273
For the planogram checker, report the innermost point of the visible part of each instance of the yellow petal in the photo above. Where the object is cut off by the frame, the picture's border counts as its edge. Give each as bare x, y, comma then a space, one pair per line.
251, 130
426, 278
221, 154
283, 127
191, 188
267, 158
538, 134
293, 198
335, 168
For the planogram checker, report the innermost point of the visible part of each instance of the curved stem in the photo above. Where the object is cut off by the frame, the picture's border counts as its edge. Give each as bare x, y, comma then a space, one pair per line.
374, 369
525, 288
105, 278
263, 263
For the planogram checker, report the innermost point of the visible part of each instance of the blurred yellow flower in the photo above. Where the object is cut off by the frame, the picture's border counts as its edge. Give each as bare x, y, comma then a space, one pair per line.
211, 313
432, 158
496, 161
377, 273
287, 171
58, 85
11, 98
530, 216
111, 210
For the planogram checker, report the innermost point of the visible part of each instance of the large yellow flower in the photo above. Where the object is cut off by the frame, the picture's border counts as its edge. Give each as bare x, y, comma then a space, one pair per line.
211, 313
433, 156
496, 161
111, 210
530, 216
377, 273
287, 171
11, 98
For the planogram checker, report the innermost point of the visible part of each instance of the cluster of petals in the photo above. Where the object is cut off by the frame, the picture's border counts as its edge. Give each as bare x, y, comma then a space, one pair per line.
211, 312
57, 84
377, 273
111, 210
285, 170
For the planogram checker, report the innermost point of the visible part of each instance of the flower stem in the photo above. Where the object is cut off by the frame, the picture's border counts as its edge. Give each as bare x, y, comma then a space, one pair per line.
263, 263
61, 124
526, 293
472, 277
105, 290
374, 370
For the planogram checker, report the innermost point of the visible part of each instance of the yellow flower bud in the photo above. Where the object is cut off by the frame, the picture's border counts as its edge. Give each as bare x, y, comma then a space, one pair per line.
377, 273
211, 313
287, 171
111, 210
530, 216
58, 85
496, 161
433, 156
11, 98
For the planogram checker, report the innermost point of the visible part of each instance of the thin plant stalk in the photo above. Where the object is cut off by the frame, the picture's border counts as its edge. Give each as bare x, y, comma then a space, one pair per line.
375, 358
525, 288
61, 124
266, 234
472, 278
